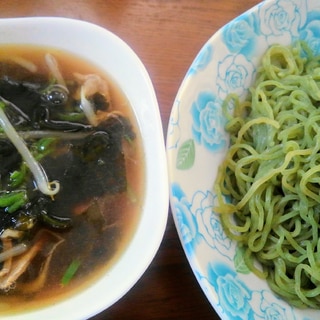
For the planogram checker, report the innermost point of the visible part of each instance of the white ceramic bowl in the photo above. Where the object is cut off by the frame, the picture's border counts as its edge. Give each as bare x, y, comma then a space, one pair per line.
113, 56
197, 143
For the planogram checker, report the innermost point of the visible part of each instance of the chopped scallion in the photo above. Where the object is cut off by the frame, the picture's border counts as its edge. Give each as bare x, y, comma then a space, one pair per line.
70, 272
17, 177
13, 200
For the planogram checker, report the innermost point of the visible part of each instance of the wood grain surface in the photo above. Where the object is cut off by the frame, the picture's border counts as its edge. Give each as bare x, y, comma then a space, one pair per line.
166, 35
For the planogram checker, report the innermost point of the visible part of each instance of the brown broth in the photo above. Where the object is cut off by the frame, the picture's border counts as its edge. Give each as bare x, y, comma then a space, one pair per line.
96, 251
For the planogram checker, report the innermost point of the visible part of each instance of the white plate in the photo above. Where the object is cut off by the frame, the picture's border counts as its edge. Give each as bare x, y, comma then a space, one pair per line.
197, 142
116, 58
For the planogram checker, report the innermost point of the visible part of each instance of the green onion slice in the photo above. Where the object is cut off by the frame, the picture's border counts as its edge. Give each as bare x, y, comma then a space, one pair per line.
70, 272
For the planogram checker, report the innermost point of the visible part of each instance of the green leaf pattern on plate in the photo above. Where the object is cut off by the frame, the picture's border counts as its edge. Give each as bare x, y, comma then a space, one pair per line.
186, 155
239, 262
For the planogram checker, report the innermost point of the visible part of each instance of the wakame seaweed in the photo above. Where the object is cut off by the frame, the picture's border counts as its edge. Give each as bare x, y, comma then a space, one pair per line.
86, 166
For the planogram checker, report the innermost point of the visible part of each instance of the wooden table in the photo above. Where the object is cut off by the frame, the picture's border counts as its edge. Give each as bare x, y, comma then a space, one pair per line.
166, 35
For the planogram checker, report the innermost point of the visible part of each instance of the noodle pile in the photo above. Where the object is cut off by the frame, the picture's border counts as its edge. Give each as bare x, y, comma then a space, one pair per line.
271, 174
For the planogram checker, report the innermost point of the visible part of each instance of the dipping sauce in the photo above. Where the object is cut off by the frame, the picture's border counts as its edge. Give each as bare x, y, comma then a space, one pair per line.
71, 173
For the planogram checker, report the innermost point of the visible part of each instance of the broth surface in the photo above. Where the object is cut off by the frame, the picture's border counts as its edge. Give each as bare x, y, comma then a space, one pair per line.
103, 225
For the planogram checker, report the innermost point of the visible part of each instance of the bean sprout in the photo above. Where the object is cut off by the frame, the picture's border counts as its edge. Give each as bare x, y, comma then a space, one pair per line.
91, 84
46, 187
88, 108
27, 64
14, 251
54, 69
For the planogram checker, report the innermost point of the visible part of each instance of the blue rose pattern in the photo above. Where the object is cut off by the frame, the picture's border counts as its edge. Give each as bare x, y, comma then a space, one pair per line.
197, 222
235, 74
269, 307
282, 17
202, 60
208, 222
185, 219
234, 296
240, 36
279, 21
311, 32
208, 122
237, 301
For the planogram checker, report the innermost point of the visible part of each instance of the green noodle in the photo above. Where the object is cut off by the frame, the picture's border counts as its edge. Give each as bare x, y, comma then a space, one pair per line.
268, 186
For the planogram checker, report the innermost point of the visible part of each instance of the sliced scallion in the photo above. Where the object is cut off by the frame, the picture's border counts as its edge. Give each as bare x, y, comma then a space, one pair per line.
70, 272
13, 200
